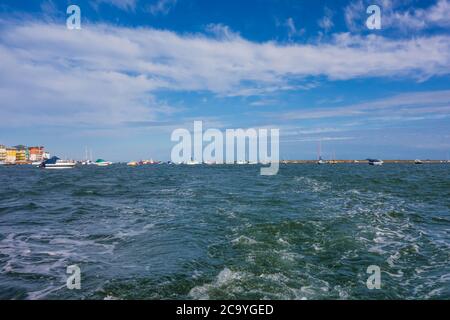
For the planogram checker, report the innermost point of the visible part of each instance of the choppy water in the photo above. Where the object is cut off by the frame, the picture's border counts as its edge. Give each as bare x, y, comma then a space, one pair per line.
225, 232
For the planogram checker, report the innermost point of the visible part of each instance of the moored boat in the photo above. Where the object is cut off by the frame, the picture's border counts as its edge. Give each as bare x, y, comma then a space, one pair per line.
102, 163
321, 161
147, 162
57, 163
375, 162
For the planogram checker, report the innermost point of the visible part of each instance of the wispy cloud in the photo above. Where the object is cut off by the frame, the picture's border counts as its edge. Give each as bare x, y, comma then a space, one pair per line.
396, 16
317, 139
127, 5
293, 31
399, 107
110, 74
326, 22
162, 7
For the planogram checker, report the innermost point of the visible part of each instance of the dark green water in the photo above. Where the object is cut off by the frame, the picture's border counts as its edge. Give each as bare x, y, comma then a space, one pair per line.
225, 232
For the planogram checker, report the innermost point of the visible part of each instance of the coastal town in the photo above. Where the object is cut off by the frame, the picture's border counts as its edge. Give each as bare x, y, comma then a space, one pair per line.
21, 154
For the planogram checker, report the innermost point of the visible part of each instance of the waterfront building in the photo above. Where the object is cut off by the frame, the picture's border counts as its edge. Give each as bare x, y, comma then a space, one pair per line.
36, 153
11, 155
2, 153
22, 153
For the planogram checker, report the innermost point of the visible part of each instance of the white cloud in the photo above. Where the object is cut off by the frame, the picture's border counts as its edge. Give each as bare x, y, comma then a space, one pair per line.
416, 19
162, 7
221, 31
127, 5
353, 14
109, 74
292, 29
430, 103
317, 139
395, 16
326, 22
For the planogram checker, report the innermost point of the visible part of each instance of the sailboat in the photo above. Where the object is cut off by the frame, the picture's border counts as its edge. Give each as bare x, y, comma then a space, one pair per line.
333, 161
88, 160
319, 156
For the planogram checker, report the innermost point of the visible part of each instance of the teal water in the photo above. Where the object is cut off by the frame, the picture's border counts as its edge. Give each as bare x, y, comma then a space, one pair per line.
225, 232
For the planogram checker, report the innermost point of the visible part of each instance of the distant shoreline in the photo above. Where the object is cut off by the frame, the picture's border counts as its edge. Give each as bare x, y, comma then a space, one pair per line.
310, 162
365, 161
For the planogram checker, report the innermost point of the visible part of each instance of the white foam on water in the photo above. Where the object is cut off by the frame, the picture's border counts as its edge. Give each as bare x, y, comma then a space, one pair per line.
311, 184
133, 233
282, 241
244, 240
224, 278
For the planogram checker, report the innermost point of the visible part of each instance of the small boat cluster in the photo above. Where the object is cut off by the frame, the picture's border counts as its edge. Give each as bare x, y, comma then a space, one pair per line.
57, 163
142, 163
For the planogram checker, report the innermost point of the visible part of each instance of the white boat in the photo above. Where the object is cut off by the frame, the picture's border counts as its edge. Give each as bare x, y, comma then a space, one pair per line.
57, 163
319, 153
36, 163
241, 162
102, 163
417, 161
375, 162
87, 163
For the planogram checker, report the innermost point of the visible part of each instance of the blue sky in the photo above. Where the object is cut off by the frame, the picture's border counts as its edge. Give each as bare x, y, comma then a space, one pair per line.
139, 69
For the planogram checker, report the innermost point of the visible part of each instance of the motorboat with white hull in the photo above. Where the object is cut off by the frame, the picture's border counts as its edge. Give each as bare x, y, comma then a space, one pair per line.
102, 163
375, 162
57, 163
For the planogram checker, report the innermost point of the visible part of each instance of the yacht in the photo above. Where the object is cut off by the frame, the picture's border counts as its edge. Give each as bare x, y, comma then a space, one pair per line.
418, 161
151, 161
102, 163
36, 163
321, 161
87, 163
57, 163
375, 162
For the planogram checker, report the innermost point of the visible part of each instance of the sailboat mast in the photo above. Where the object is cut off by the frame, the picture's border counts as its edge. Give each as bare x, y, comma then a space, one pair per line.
319, 150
